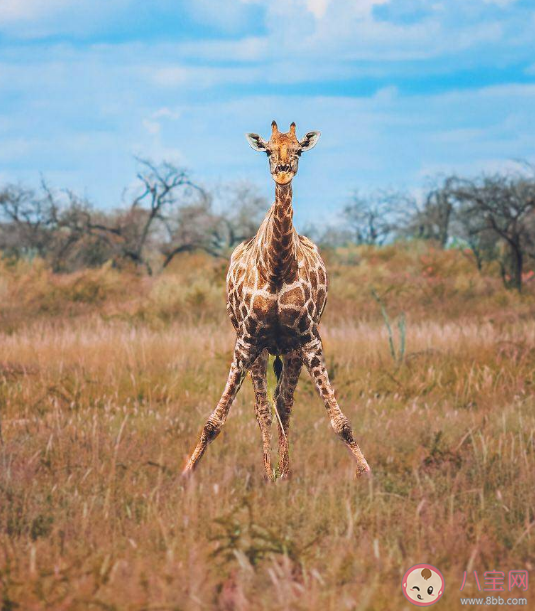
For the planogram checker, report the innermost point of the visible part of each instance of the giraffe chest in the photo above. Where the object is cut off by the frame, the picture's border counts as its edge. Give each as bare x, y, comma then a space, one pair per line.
281, 306
276, 317
277, 320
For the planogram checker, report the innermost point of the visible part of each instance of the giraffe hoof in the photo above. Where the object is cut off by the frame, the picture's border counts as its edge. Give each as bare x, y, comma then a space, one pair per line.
186, 473
363, 473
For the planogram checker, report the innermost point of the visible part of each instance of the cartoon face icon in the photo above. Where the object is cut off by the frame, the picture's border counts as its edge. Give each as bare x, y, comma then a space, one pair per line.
423, 585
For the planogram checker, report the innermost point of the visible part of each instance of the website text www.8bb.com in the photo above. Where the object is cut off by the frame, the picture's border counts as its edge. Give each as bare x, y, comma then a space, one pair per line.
495, 601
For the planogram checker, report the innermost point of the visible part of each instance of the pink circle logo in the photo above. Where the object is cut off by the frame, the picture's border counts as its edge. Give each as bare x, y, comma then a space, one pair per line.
423, 585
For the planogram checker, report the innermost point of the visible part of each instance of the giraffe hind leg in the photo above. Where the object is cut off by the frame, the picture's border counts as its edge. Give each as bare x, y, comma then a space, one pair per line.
263, 408
284, 398
315, 363
243, 358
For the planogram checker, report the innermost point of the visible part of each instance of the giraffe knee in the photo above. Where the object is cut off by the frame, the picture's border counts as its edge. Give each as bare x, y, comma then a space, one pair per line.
211, 430
343, 429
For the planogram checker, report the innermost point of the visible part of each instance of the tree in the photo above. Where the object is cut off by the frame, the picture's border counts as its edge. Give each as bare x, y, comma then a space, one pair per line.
94, 236
162, 188
374, 219
502, 206
433, 219
241, 210
473, 232
328, 236
83, 236
27, 221
367, 219
67, 231
189, 229
167, 214
199, 226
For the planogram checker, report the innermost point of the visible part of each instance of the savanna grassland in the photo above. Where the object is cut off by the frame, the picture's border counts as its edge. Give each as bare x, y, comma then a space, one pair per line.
106, 378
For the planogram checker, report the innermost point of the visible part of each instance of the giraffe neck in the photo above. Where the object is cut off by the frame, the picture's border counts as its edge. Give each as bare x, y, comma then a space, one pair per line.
281, 248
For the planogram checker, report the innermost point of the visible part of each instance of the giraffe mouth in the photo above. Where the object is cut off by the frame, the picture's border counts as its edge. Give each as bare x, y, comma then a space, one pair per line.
283, 175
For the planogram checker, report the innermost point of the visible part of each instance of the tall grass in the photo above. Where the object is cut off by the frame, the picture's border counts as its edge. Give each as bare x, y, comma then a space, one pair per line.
101, 402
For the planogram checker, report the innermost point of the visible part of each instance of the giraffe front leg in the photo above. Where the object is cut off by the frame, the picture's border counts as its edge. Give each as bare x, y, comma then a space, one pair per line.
262, 408
284, 398
243, 358
315, 364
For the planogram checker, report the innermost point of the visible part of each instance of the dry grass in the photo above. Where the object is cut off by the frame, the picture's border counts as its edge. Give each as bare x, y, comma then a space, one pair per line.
101, 401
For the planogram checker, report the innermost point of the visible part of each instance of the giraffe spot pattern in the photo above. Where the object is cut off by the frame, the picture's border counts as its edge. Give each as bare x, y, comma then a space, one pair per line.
276, 293
277, 283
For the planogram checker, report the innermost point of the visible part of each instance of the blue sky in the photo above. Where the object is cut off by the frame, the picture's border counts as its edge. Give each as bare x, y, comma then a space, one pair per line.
402, 90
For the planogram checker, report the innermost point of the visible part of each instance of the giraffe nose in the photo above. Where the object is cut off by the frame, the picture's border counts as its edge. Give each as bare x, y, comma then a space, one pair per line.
283, 168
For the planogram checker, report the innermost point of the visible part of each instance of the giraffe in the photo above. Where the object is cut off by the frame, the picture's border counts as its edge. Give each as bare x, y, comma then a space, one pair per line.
276, 294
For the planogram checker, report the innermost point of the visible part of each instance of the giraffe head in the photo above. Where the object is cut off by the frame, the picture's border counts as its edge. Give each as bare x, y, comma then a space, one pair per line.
283, 151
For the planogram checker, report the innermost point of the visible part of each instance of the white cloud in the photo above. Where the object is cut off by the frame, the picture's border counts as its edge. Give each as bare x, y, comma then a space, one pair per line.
386, 138
346, 30
33, 19
17, 148
168, 76
230, 16
157, 152
363, 8
318, 7
83, 109
166, 113
152, 127
500, 3
334, 31
16, 10
349, 30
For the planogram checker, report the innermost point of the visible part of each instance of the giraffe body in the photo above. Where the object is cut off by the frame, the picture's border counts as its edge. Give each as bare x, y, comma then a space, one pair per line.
277, 311
276, 293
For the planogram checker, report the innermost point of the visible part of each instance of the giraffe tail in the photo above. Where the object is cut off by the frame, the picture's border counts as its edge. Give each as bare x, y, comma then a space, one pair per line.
277, 367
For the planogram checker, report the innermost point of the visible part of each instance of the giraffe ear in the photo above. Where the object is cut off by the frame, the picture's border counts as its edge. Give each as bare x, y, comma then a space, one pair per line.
256, 142
309, 141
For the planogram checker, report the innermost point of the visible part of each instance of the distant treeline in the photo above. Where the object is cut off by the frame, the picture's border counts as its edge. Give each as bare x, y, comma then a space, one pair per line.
491, 217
